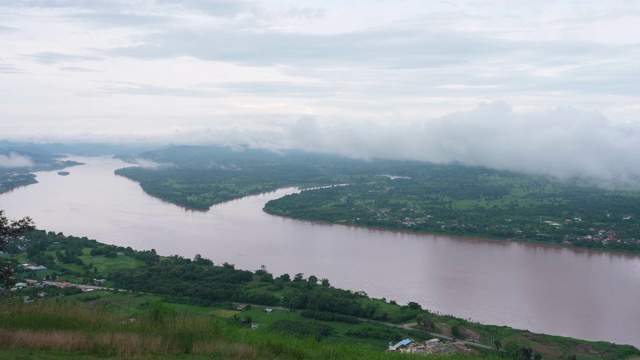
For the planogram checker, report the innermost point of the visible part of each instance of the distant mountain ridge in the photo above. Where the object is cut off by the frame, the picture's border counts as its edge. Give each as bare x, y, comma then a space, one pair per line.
81, 149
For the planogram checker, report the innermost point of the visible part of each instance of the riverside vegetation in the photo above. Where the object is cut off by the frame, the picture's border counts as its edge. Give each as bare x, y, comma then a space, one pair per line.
401, 195
188, 308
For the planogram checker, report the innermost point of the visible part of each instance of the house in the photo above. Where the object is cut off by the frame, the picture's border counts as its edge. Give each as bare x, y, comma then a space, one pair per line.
401, 345
268, 311
35, 267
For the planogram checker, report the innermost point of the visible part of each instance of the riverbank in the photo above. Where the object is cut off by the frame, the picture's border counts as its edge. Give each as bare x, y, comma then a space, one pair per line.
339, 315
368, 205
466, 237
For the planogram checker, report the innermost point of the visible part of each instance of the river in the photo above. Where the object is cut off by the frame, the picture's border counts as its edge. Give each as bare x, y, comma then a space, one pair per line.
560, 291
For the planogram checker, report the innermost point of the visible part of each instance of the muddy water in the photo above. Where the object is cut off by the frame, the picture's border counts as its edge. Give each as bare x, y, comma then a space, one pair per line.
587, 295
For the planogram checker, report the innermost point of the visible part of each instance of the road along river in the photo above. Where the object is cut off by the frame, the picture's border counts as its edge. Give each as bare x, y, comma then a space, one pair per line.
594, 296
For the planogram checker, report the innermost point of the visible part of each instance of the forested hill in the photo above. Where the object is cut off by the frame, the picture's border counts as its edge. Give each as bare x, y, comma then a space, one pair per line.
198, 176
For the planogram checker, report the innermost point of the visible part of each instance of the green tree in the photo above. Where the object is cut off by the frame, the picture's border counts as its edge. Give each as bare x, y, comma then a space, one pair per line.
198, 259
497, 344
455, 332
424, 323
8, 230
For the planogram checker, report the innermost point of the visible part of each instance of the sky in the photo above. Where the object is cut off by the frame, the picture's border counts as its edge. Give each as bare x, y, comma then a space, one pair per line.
549, 87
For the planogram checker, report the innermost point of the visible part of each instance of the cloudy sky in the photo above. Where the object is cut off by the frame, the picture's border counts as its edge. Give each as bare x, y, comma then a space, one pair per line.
544, 86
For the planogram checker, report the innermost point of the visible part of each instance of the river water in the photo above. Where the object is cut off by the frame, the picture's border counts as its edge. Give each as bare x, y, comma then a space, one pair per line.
587, 295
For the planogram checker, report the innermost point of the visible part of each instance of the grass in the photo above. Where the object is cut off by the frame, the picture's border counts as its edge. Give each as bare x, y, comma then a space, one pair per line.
225, 313
106, 265
75, 273
22, 258
67, 330
97, 324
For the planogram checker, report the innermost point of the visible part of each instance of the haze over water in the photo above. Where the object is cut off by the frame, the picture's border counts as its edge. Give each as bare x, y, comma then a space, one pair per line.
558, 291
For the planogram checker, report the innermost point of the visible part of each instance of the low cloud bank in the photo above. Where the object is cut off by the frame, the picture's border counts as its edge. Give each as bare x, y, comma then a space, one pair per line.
563, 142
14, 160
150, 164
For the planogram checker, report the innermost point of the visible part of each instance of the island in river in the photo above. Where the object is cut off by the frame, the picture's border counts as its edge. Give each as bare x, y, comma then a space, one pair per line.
400, 195
14, 176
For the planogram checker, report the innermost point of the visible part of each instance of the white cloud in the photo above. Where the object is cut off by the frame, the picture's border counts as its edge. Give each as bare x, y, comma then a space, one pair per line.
563, 142
149, 164
14, 160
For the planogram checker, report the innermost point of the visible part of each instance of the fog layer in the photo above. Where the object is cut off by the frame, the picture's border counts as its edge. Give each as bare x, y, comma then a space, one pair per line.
14, 160
563, 142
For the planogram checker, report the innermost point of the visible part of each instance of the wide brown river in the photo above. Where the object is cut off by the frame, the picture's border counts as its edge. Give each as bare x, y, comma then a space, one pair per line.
587, 295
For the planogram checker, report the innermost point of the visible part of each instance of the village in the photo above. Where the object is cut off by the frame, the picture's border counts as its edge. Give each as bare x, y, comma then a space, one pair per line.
567, 231
12, 179
31, 289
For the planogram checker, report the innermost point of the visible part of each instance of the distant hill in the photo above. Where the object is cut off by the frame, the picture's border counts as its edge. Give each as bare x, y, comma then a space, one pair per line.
81, 149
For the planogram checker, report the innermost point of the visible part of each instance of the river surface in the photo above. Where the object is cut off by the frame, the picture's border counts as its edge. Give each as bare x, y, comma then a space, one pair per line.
587, 295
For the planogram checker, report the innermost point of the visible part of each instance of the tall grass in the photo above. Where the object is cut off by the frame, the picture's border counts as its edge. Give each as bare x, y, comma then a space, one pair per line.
71, 327
52, 327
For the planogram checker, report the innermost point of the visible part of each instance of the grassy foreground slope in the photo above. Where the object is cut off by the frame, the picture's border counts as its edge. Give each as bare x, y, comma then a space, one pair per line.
49, 330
